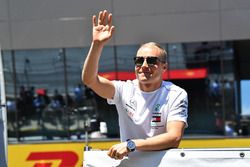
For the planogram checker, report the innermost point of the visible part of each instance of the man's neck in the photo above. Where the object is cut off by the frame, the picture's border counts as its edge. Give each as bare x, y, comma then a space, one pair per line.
149, 87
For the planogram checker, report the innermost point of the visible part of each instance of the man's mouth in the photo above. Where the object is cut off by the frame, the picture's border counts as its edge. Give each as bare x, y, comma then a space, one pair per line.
146, 74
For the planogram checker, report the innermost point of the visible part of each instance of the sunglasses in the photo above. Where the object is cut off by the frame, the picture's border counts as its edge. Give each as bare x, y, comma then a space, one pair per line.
151, 60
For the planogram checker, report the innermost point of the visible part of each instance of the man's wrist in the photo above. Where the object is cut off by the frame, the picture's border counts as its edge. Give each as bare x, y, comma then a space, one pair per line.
98, 43
130, 145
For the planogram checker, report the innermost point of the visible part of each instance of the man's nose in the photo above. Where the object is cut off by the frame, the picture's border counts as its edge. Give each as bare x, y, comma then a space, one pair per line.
145, 64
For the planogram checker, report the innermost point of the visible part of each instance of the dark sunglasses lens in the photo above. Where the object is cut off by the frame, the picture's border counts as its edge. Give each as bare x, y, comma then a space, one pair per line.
138, 61
152, 61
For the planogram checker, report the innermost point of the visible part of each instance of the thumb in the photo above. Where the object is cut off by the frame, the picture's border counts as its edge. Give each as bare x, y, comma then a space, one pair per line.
111, 31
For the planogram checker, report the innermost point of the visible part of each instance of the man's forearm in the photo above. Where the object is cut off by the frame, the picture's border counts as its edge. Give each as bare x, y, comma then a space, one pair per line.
159, 142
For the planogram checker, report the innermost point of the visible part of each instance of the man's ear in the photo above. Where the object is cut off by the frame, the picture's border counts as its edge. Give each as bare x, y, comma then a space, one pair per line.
165, 67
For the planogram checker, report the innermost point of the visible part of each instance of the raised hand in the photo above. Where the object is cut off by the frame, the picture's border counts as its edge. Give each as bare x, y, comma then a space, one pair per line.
102, 28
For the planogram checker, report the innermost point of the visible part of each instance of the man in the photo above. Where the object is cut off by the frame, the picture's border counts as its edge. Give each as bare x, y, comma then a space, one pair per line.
152, 112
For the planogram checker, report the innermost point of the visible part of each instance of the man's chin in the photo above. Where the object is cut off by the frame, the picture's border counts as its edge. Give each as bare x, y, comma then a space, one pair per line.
144, 80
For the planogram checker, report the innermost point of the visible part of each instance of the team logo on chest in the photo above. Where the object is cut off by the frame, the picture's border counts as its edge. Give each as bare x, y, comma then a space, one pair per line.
130, 107
157, 107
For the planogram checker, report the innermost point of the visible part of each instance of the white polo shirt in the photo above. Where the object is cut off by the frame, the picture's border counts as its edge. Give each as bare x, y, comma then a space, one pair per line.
145, 114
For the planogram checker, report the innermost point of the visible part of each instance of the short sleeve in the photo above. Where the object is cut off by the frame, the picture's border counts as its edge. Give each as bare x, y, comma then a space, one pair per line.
118, 89
179, 108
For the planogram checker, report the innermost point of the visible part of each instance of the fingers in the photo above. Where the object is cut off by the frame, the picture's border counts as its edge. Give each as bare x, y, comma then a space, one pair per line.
94, 21
104, 18
101, 17
112, 152
110, 20
116, 155
112, 29
118, 151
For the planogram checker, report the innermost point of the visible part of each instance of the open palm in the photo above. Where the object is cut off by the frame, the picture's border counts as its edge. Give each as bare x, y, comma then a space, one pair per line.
102, 29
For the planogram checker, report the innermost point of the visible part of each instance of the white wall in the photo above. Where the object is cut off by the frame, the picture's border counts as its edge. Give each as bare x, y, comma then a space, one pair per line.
28, 24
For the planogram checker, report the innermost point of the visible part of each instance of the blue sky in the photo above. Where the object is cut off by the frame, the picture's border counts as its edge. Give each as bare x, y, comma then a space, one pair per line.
245, 94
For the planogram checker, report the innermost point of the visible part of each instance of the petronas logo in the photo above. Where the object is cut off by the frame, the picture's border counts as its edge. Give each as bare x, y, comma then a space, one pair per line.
157, 107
